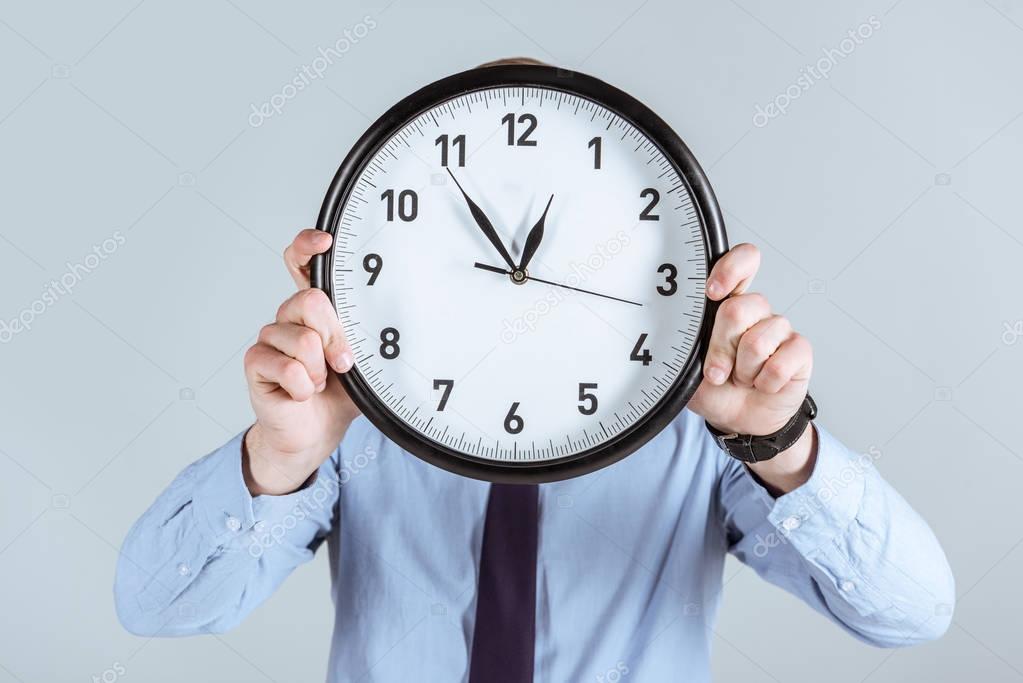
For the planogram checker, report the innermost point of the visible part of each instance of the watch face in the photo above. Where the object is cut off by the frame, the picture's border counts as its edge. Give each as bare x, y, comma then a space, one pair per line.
520, 271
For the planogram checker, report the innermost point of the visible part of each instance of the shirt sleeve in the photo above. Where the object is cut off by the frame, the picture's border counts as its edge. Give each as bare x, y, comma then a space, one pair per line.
206, 553
845, 543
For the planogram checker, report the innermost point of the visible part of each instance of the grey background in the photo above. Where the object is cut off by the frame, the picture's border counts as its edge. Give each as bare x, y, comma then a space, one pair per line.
886, 202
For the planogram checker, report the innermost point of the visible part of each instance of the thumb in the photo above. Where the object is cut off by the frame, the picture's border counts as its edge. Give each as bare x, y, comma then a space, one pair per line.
299, 254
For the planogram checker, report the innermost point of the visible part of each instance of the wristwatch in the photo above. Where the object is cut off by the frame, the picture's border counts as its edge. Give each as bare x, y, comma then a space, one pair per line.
749, 448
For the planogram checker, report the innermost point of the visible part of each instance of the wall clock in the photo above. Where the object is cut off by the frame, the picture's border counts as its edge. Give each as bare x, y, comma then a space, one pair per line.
519, 262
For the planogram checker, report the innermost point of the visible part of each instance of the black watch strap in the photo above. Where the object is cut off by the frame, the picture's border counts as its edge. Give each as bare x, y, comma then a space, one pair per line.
749, 448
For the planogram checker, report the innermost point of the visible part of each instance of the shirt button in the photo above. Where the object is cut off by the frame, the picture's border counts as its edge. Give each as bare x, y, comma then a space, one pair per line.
847, 586
791, 523
183, 569
233, 524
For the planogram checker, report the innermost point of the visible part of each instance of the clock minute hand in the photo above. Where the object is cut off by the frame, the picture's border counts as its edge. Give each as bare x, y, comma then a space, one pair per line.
502, 271
534, 237
484, 224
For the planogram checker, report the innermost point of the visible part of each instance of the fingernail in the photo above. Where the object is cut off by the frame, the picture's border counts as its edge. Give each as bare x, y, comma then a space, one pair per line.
346, 360
715, 375
712, 289
322, 386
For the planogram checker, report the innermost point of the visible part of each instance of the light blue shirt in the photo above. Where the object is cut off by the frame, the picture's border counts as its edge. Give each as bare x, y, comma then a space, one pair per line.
629, 569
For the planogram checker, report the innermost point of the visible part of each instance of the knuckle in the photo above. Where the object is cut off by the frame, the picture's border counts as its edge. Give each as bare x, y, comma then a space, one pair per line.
731, 310
801, 343
309, 342
757, 301
312, 298
292, 371
252, 355
775, 371
324, 309
282, 310
266, 331
761, 346
772, 335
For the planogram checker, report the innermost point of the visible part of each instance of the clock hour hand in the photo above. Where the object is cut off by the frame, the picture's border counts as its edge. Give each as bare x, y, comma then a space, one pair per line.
484, 224
533, 238
502, 271
492, 269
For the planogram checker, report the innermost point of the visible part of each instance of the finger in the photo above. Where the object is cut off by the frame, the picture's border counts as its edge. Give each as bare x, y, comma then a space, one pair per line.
792, 362
267, 370
300, 252
301, 343
312, 309
734, 272
757, 345
735, 315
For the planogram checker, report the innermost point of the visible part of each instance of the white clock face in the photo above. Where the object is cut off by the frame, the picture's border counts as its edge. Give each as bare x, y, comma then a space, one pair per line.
562, 362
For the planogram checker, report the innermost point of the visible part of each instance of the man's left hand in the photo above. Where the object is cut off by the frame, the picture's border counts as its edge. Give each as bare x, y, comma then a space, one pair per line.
757, 368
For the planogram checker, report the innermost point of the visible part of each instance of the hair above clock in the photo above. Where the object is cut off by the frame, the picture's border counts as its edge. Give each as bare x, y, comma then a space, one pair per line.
507, 61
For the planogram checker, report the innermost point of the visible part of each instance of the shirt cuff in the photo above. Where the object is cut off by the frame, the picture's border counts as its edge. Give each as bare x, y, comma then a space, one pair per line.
223, 514
817, 520
820, 510
224, 503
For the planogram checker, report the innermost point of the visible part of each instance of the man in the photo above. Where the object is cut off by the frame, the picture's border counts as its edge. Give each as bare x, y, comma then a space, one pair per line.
623, 567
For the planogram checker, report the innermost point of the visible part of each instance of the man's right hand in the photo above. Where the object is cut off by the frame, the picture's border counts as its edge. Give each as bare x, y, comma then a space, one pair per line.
302, 411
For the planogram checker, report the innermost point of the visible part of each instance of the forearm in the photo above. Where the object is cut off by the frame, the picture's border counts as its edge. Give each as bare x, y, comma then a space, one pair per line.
849, 545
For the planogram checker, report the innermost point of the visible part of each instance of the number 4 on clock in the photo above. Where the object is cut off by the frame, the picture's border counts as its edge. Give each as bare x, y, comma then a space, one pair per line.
639, 353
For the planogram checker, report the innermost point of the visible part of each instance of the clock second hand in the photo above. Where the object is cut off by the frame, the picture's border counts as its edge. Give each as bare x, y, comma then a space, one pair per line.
503, 271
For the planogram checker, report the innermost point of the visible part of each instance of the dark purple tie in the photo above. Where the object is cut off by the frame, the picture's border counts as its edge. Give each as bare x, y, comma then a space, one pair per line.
502, 643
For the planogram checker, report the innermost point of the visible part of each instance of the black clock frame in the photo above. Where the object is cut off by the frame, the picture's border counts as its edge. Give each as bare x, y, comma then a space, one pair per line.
651, 125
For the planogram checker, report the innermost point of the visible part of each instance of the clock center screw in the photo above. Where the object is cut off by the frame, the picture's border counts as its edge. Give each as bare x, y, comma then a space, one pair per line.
519, 276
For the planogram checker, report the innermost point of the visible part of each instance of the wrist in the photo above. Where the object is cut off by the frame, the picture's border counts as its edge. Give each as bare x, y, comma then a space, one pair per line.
270, 471
751, 447
792, 467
